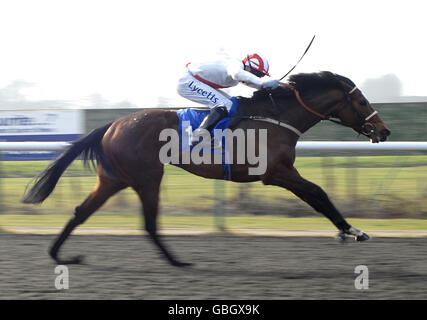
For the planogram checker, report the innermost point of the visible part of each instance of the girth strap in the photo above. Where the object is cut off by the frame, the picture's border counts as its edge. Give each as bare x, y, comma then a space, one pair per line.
276, 122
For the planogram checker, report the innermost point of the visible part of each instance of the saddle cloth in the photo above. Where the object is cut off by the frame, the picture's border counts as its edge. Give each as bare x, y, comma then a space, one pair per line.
192, 118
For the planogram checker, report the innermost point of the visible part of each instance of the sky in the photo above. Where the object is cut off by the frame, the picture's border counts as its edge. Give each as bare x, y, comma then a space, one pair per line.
131, 53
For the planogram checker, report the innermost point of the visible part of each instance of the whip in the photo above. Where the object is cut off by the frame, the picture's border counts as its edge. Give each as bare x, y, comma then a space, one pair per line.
309, 45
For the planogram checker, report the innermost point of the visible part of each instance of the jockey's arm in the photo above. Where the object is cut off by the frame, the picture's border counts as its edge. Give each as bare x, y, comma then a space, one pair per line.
236, 71
246, 78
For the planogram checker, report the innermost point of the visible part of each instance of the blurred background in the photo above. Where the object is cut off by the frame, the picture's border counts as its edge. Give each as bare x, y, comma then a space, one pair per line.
362, 184
67, 68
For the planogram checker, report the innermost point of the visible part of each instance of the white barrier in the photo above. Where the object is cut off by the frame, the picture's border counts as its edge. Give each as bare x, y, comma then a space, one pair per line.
365, 145
302, 145
33, 146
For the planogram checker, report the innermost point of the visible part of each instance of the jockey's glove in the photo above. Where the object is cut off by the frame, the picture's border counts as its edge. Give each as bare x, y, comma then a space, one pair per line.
271, 84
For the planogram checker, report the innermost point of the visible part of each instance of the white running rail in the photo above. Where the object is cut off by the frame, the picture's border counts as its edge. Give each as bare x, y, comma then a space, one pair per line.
365, 145
302, 145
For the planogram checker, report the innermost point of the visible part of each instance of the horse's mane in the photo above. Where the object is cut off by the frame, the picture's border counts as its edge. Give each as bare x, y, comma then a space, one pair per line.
305, 83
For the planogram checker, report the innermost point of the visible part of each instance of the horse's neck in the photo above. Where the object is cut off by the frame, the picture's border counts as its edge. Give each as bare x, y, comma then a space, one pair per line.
291, 110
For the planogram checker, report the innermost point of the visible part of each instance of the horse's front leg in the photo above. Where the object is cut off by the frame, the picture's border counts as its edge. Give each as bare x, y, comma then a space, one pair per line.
311, 193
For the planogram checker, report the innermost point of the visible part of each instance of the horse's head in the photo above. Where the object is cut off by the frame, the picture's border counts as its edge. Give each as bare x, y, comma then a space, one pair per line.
356, 112
326, 96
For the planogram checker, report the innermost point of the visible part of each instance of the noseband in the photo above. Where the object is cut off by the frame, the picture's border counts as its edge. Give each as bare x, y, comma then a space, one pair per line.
366, 128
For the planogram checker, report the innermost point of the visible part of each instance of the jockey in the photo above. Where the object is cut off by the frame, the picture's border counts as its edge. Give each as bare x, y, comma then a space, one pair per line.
202, 82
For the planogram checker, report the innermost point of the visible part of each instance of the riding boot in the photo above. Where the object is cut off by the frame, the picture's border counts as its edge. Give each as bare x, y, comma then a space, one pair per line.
208, 123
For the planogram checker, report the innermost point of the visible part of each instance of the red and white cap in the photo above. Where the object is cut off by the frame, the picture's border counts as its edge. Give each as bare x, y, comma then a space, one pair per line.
255, 61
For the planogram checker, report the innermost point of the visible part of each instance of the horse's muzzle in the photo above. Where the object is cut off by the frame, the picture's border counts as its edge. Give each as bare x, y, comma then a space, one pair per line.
384, 133
379, 135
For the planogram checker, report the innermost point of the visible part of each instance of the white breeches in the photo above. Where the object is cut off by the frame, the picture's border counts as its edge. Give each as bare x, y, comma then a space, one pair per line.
197, 91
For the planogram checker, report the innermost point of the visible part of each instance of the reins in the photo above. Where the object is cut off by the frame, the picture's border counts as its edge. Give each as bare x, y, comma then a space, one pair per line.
298, 96
322, 116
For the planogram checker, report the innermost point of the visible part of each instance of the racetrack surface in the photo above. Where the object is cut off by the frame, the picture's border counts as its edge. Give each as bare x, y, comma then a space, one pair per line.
226, 267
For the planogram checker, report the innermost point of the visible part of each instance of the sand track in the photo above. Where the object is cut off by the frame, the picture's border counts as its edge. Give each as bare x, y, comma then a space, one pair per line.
226, 267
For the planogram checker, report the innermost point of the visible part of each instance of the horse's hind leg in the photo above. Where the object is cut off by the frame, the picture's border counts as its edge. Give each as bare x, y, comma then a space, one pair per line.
149, 195
104, 189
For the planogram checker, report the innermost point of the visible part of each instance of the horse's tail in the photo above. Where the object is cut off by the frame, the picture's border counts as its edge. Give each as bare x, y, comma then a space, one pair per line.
91, 148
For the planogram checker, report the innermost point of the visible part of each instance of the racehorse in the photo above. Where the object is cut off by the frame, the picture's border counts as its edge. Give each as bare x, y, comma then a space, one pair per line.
126, 151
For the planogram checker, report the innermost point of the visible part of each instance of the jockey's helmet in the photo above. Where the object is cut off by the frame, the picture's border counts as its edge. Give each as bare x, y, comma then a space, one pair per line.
258, 65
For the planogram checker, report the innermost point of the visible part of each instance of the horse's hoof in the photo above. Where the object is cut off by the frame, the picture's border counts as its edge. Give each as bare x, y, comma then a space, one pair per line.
74, 260
356, 235
363, 237
342, 237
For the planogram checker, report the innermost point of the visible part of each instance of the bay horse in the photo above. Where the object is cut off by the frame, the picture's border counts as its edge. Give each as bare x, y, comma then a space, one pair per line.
126, 151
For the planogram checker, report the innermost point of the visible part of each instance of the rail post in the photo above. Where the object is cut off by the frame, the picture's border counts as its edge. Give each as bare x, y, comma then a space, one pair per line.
219, 207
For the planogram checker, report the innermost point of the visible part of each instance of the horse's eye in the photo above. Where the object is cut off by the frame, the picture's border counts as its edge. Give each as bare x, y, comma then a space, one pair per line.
362, 102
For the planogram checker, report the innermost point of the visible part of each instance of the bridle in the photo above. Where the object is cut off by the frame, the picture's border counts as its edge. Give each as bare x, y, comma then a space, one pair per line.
366, 128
